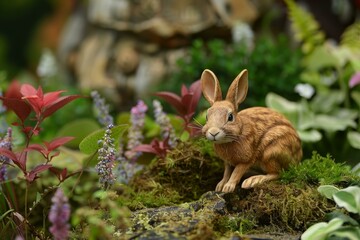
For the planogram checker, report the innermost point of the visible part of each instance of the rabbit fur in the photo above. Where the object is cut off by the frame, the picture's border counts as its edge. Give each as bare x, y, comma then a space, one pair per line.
254, 138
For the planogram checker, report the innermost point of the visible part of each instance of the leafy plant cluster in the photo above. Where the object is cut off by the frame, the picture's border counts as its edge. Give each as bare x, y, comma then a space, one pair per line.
327, 116
272, 64
341, 225
31, 106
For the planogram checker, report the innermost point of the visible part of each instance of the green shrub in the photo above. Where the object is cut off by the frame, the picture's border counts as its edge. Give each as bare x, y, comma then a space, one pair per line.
273, 66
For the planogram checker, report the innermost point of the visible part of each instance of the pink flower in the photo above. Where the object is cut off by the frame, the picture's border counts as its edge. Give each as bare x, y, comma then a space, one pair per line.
354, 80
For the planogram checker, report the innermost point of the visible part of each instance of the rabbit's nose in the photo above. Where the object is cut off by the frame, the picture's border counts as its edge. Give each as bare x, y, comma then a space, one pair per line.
214, 135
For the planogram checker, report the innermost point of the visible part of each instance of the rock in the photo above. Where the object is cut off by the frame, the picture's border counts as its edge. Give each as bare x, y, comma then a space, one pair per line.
178, 222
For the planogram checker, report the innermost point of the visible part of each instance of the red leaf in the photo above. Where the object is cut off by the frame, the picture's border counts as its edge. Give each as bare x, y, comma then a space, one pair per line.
59, 103
195, 88
55, 155
20, 107
28, 90
186, 101
174, 100
145, 148
35, 146
63, 174
54, 144
51, 97
35, 102
60, 174
13, 90
20, 162
184, 90
32, 175
40, 93
9, 154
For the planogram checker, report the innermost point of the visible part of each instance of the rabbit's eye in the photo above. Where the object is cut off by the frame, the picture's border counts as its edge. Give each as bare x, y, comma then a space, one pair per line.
231, 117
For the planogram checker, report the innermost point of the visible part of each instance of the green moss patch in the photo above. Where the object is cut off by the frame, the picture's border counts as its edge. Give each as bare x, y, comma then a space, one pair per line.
188, 171
284, 208
320, 170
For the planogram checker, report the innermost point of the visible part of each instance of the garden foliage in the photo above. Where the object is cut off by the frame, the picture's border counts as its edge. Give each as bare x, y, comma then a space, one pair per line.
341, 225
329, 117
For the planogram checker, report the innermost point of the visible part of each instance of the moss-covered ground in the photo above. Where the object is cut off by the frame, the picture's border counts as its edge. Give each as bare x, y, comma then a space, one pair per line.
178, 183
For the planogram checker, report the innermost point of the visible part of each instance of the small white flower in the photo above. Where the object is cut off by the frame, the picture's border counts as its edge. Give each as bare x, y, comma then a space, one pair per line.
47, 66
242, 33
305, 90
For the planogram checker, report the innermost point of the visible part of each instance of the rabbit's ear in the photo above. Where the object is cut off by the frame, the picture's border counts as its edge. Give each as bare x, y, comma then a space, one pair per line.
210, 87
238, 89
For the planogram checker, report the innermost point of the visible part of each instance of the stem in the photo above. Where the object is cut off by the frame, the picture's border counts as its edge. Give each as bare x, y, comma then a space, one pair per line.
26, 209
81, 172
344, 88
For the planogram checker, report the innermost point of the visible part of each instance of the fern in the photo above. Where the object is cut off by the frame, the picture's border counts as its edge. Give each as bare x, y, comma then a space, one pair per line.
305, 27
351, 36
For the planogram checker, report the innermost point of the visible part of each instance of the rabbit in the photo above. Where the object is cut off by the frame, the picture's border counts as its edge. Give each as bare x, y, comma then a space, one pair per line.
254, 138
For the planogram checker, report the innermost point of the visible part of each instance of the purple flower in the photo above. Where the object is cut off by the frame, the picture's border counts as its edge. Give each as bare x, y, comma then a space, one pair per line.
107, 157
167, 131
102, 109
354, 80
135, 132
6, 142
59, 216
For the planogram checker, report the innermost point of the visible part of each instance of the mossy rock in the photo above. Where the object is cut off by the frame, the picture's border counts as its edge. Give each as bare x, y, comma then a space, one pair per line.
190, 170
269, 211
166, 203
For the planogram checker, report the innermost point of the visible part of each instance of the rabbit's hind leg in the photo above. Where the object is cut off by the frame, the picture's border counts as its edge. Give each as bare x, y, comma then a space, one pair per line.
258, 179
273, 161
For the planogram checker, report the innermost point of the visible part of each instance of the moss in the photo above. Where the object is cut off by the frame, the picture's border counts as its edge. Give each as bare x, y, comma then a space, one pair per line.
192, 169
280, 207
320, 170
188, 171
234, 223
156, 197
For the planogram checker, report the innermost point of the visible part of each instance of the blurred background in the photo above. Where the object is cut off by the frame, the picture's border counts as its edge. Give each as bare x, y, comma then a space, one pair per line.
296, 52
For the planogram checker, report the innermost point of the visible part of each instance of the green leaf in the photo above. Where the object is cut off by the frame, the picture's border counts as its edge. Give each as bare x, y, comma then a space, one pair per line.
320, 58
152, 129
281, 104
354, 139
349, 198
332, 124
89, 144
6, 213
328, 191
185, 136
344, 216
320, 231
284, 106
309, 135
355, 95
123, 118
79, 129
326, 102
306, 117
348, 232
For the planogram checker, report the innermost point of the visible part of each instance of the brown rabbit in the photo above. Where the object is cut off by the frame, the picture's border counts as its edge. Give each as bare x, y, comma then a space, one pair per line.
254, 138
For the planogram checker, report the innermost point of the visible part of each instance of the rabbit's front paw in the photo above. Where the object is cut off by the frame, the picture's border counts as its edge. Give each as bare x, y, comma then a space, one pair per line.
220, 185
229, 187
